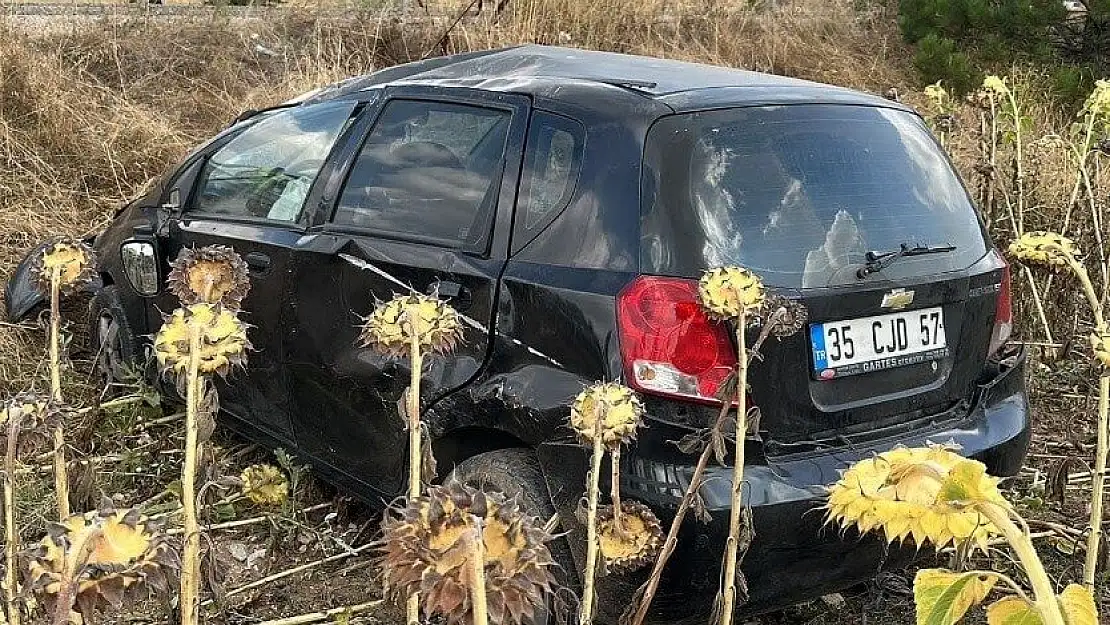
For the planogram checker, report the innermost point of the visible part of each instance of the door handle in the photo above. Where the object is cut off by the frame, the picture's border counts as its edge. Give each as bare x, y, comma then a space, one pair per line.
258, 262
458, 295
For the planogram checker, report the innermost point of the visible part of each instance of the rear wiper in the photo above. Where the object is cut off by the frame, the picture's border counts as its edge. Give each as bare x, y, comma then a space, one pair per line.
877, 261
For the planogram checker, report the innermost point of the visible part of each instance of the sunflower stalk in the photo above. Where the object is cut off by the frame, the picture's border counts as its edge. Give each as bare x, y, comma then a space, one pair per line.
586, 616
190, 566
412, 607
11, 534
615, 488
478, 573
75, 558
1044, 594
736, 507
1098, 483
61, 475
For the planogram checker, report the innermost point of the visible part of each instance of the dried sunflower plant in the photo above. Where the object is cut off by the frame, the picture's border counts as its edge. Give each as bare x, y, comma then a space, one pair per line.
943, 119
64, 267
472, 557
26, 422
99, 558
726, 294
1060, 253
625, 534
412, 325
201, 339
932, 495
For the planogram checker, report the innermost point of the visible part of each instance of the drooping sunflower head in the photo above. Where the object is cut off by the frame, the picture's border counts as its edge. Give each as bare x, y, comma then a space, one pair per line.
995, 86
729, 292
34, 416
126, 553
636, 543
1100, 344
619, 410
922, 493
1098, 103
213, 274
390, 329
427, 544
938, 95
1046, 248
71, 260
265, 485
786, 316
222, 340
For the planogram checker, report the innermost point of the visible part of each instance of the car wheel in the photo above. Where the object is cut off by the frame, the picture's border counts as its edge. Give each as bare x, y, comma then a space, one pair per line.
112, 341
516, 473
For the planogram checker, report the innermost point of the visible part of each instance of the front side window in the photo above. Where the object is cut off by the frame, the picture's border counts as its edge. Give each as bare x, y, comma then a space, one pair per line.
266, 171
428, 171
800, 194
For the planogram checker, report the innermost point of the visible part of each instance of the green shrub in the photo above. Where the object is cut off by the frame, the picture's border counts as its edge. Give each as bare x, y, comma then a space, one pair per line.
939, 59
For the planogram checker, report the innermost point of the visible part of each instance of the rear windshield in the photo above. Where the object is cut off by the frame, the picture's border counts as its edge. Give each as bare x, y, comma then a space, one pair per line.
800, 194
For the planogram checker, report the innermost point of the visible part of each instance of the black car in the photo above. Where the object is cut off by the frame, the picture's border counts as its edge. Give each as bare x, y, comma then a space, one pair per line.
565, 202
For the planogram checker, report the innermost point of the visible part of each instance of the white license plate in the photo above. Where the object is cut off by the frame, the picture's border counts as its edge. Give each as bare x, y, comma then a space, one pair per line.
854, 346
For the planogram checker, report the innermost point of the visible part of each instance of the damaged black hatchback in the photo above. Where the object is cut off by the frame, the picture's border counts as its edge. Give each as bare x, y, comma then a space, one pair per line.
565, 202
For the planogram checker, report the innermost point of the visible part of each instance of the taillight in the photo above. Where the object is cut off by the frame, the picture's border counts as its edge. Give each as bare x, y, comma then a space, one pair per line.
668, 345
1003, 315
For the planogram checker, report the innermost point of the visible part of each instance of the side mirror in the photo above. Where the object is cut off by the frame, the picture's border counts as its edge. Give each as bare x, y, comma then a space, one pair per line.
140, 264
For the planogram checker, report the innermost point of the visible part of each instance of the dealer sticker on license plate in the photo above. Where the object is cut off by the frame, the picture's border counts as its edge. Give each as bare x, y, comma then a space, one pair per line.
854, 346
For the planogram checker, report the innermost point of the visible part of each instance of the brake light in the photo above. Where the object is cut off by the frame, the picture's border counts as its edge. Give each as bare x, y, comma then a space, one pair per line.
1003, 315
668, 345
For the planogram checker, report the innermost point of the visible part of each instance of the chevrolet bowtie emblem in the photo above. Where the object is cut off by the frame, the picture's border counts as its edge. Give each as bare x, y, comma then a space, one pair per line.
897, 299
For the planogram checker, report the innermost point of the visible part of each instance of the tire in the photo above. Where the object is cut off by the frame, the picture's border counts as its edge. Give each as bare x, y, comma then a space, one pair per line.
516, 472
111, 340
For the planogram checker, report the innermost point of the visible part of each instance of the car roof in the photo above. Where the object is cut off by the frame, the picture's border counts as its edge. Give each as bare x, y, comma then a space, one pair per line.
589, 78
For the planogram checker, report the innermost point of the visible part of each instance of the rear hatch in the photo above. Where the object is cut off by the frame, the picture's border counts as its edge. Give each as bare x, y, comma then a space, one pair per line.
801, 194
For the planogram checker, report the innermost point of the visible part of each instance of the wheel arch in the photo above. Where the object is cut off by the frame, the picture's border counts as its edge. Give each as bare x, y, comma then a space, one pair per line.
468, 441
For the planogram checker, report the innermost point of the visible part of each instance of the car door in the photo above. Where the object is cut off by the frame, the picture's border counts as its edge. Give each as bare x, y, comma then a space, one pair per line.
424, 202
249, 194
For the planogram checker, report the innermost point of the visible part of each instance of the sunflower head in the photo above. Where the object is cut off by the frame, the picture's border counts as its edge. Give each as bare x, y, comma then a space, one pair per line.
426, 546
1046, 248
213, 274
265, 485
619, 409
636, 543
729, 292
1098, 103
34, 417
222, 339
786, 316
1100, 344
70, 259
922, 493
995, 86
126, 554
389, 330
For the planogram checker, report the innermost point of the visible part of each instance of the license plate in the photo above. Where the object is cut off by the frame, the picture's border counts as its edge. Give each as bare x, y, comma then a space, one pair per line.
854, 346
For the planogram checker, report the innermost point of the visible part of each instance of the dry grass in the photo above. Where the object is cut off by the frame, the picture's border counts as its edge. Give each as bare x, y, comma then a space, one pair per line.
90, 114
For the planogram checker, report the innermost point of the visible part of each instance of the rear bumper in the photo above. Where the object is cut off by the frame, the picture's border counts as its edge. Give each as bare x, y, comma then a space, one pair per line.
794, 557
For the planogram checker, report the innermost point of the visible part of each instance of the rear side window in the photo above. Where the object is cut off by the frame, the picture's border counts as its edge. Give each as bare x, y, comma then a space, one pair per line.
552, 161
428, 171
800, 194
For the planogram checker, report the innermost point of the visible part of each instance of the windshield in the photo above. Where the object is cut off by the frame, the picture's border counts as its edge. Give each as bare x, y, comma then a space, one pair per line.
800, 194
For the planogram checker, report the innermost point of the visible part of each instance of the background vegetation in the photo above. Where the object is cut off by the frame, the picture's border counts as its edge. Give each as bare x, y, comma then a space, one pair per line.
91, 110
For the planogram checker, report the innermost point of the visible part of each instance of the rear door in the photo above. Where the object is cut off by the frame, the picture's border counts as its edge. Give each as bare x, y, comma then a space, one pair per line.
423, 202
801, 194
249, 194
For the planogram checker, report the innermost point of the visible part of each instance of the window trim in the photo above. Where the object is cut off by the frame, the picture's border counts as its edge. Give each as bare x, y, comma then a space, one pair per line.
335, 193
302, 223
520, 230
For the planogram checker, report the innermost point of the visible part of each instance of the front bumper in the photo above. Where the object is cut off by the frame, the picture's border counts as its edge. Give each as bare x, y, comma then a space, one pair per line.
794, 556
